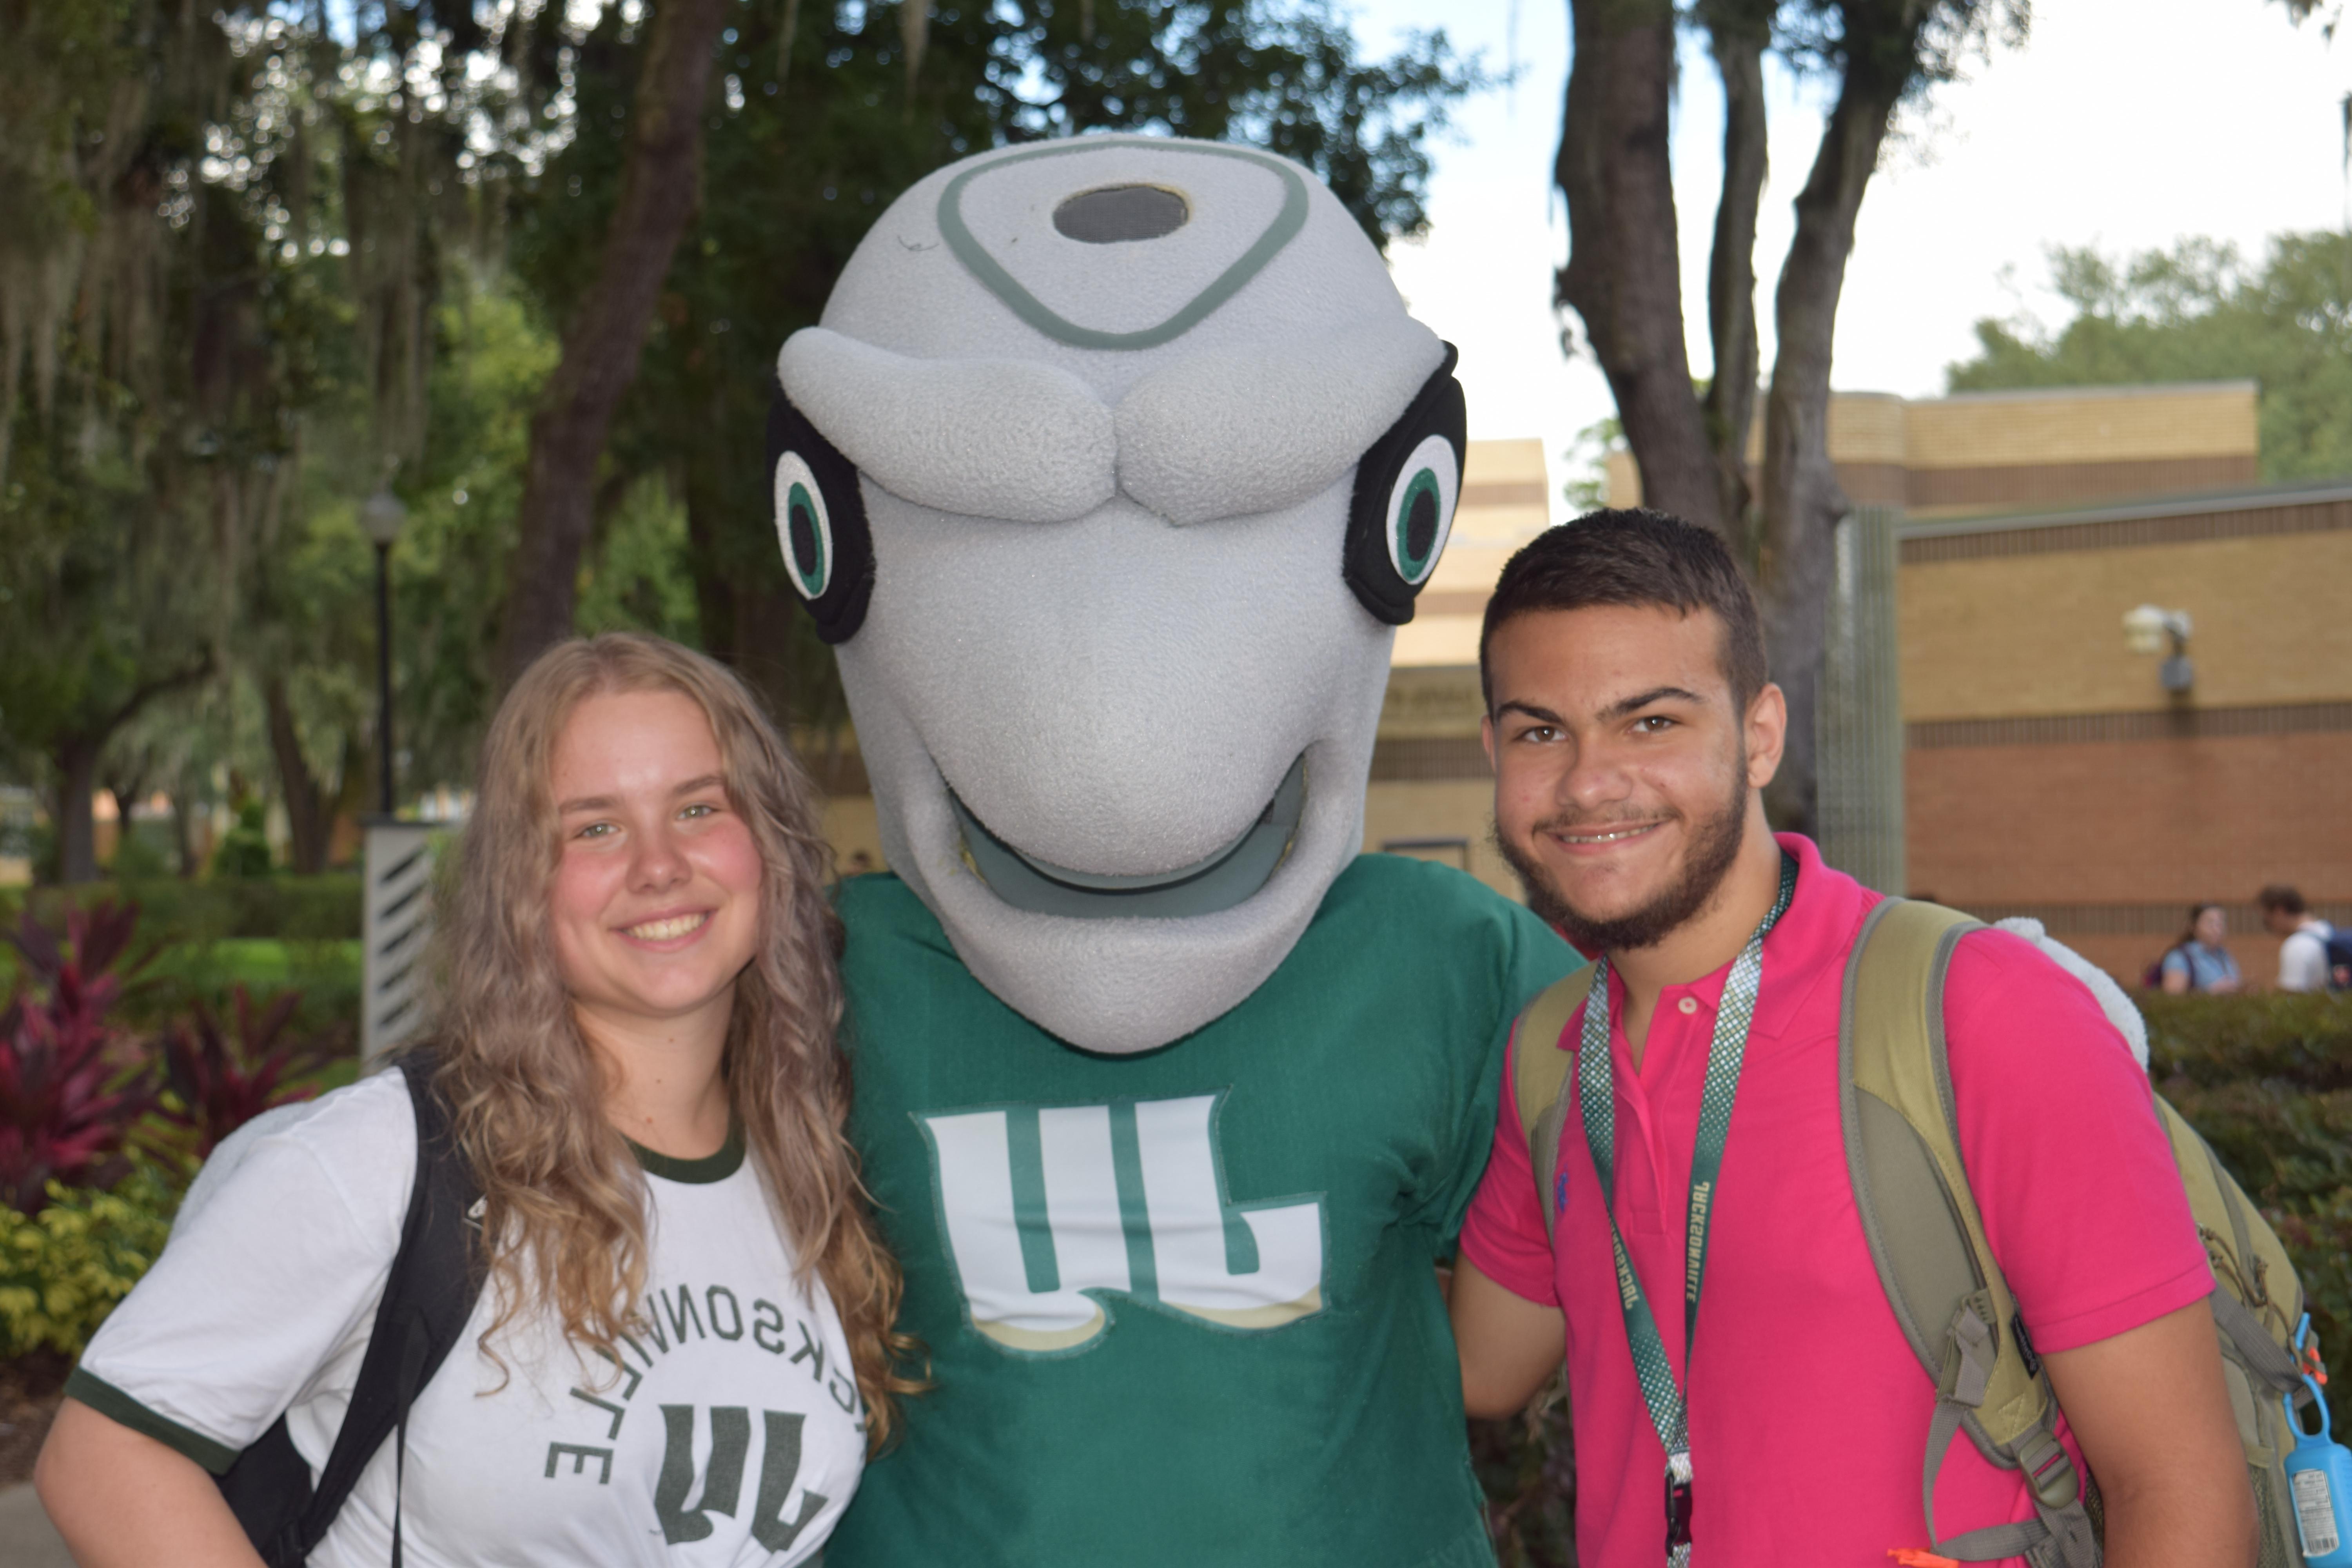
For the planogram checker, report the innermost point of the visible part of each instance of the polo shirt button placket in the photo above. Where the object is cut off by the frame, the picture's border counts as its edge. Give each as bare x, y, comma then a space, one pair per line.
1689, 1005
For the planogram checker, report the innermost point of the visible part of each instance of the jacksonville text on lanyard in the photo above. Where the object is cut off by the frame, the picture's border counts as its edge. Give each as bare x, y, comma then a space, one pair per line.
1734, 1015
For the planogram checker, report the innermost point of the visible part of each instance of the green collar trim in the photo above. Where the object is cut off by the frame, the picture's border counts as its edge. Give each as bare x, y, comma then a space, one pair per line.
1038, 314
710, 1168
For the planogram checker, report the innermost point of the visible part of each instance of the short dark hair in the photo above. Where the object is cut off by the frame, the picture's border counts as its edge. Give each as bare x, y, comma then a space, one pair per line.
2279, 895
1628, 557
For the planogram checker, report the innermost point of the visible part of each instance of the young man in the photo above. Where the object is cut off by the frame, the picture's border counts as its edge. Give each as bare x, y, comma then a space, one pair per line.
2303, 956
1632, 730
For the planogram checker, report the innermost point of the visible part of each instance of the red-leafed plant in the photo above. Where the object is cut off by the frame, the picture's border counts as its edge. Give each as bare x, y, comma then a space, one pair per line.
217, 1085
71, 1084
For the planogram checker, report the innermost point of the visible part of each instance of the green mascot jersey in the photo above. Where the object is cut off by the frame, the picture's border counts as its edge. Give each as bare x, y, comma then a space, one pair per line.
1180, 1306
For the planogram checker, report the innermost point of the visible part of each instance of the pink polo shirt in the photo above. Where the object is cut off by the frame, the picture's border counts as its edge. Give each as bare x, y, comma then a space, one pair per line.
1808, 1411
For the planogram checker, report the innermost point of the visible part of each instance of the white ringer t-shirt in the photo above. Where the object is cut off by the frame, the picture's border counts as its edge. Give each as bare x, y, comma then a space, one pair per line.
731, 1433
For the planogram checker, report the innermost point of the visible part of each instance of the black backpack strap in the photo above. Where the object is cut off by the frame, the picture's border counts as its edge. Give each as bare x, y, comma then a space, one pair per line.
435, 1278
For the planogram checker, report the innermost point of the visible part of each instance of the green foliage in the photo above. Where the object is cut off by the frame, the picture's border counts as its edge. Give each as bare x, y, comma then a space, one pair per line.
1526, 1463
269, 935
449, 569
245, 850
640, 577
2197, 312
63, 1269
325, 974
173, 912
1586, 459
2304, 1041
2268, 1080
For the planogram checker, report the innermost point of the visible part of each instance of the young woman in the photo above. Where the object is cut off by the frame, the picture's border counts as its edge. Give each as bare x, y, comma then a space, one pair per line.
2200, 960
684, 1349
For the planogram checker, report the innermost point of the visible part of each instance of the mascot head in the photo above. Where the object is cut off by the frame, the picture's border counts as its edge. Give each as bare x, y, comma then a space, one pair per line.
1111, 469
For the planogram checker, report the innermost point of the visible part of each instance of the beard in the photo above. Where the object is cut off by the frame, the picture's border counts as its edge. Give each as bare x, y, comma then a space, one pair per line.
1715, 844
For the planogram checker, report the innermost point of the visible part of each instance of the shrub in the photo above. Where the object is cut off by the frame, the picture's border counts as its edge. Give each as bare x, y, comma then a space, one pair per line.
63, 1269
278, 909
245, 850
1526, 1463
2304, 1041
196, 976
67, 1098
213, 1089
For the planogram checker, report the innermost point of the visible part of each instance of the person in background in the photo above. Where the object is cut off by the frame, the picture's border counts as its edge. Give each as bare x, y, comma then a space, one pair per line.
2199, 962
2303, 956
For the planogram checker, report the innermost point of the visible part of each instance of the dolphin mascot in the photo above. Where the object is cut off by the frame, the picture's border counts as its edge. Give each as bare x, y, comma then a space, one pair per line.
1108, 473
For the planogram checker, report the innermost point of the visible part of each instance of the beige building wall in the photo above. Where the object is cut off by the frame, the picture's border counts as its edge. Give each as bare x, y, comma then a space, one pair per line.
2036, 635
2048, 772
1990, 451
2080, 424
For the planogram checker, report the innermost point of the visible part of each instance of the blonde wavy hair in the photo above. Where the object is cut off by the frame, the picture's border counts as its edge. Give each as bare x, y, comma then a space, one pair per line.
564, 1198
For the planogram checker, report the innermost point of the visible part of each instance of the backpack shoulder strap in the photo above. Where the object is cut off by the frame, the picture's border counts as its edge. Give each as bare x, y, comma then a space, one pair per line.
1540, 1074
1926, 1234
436, 1276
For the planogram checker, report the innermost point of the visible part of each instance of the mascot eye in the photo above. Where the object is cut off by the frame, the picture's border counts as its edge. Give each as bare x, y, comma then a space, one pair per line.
820, 522
1421, 510
802, 526
1406, 489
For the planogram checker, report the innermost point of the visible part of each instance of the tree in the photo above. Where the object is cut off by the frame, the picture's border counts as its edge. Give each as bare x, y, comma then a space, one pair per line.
2197, 312
660, 180
130, 476
1622, 277
235, 229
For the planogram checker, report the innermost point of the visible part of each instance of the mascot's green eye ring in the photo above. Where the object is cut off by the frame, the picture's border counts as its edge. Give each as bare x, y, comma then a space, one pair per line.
1407, 486
802, 526
820, 527
1421, 510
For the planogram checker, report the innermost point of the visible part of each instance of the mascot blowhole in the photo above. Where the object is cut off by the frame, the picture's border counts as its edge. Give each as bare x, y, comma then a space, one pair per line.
1109, 471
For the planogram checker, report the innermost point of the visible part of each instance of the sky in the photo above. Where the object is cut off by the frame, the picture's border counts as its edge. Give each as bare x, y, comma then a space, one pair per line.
2124, 124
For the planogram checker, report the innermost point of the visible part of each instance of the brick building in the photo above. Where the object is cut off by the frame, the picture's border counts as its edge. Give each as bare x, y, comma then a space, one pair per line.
2046, 770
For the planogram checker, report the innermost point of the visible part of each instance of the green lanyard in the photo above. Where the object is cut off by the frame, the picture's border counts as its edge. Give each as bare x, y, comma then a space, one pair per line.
1734, 1015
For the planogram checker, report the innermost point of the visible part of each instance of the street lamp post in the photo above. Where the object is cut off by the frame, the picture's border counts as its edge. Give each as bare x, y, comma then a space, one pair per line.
380, 516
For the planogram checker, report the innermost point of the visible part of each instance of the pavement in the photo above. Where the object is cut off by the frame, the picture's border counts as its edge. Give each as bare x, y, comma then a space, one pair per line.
26, 1540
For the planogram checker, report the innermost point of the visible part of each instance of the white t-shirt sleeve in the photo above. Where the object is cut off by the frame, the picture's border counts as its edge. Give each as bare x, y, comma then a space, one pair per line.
265, 1295
2303, 962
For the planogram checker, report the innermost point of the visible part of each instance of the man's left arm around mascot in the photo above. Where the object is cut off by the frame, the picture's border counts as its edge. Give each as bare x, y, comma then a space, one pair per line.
1108, 473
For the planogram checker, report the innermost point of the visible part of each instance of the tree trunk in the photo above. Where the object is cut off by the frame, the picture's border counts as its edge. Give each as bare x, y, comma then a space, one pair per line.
309, 810
76, 763
183, 828
1801, 498
1624, 275
1739, 37
659, 178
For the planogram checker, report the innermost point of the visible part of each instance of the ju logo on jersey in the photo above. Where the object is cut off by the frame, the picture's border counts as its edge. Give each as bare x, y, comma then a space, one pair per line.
1046, 1208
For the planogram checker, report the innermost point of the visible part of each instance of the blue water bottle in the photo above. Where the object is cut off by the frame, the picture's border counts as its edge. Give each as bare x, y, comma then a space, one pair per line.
2319, 1478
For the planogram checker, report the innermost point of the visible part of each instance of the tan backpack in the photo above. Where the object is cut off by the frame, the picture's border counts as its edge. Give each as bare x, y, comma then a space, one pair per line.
1928, 1240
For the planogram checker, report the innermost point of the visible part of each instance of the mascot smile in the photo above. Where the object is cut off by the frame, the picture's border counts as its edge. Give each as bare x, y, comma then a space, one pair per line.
1111, 469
